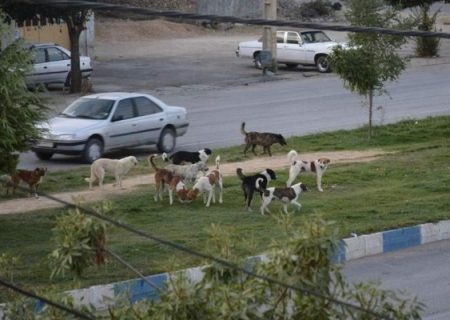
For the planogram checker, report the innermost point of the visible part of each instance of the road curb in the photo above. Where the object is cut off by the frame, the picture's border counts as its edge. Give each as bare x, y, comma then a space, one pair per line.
351, 248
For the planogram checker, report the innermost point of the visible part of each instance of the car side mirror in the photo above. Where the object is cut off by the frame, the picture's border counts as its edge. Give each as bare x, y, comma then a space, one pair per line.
117, 118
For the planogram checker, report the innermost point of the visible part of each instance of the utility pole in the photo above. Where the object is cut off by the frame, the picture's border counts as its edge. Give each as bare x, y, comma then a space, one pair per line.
270, 33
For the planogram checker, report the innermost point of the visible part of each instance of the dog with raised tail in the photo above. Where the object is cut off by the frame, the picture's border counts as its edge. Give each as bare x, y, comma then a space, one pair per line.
206, 186
249, 185
286, 195
317, 167
162, 177
264, 139
118, 167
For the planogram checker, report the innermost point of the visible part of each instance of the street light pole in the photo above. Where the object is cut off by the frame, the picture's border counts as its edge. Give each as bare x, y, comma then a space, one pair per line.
270, 33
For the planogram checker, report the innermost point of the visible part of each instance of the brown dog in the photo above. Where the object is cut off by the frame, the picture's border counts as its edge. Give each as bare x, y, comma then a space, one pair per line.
264, 139
207, 184
32, 177
174, 183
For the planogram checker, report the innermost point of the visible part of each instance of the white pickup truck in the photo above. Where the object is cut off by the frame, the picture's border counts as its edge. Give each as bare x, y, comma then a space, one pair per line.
310, 47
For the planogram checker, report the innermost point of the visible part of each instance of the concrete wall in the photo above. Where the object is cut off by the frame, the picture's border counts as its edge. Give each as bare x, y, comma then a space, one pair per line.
239, 8
38, 32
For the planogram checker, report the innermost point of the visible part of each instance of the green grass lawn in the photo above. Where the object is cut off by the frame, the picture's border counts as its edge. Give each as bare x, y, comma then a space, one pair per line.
404, 188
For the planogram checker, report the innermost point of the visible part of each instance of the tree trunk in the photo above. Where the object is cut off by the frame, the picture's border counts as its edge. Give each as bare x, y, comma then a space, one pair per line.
369, 137
74, 26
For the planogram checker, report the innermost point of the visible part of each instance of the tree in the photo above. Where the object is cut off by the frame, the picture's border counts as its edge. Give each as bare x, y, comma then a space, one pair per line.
20, 109
371, 59
74, 17
425, 46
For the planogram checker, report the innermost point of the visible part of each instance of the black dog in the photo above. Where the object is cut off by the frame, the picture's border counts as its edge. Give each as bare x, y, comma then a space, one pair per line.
250, 184
181, 157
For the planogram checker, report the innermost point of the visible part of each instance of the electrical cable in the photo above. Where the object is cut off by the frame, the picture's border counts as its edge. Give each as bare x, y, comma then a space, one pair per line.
45, 300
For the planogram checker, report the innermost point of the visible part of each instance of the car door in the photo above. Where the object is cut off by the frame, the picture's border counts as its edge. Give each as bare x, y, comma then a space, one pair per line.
124, 130
281, 53
39, 66
293, 48
58, 65
151, 119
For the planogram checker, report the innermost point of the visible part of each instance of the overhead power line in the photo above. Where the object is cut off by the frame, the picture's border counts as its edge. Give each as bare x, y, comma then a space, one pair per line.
45, 300
99, 6
208, 257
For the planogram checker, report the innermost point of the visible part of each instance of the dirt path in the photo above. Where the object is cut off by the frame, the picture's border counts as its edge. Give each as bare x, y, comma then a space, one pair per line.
24, 205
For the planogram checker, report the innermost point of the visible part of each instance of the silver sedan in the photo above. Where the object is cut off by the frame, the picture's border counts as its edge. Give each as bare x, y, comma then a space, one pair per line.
98, 123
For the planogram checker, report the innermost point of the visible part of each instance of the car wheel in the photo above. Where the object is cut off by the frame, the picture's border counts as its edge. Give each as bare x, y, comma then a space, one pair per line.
258, 63
323, 64
43, 155
68, 80
167, 141
291, 65
93, 150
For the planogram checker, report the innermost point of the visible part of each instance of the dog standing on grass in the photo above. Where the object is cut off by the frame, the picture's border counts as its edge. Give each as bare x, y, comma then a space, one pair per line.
318, 167
188, 171
174, 183
183, 157
264, 139
207, 184
119, 168
286, 195
250, 185
31, 177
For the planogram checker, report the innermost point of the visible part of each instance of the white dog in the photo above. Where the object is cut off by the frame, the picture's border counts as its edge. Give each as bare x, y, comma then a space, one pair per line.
206, 186
286, 195
318, 167
119, 168
188, 171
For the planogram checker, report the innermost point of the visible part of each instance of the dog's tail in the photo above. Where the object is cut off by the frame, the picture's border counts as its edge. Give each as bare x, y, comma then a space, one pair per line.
243, 129
240, 174
217, 162
165, 157
259, 185
292, 156
87, 179
151, 162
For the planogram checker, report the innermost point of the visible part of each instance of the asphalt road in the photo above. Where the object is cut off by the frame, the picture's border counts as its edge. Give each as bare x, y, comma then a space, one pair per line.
291, 104
421, 271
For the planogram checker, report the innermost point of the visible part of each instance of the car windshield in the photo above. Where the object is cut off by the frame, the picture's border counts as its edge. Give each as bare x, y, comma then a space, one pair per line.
314, 36
89, 109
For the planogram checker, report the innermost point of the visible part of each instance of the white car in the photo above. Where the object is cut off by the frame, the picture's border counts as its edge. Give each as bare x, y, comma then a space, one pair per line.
310, 47
98, 123
51, 64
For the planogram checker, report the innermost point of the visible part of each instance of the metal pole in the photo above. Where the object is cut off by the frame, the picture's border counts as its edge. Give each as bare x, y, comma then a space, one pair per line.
270, 33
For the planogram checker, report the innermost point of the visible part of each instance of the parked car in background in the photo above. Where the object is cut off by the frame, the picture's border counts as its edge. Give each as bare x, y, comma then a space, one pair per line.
98, 123
51, 64
309, 48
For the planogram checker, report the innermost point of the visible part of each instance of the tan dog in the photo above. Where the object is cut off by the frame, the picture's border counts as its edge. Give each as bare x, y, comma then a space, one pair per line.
174, 183
31, 177
318, 167
119, 168
207, 184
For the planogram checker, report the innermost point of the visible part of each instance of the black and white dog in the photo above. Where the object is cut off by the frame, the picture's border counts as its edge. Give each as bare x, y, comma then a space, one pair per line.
250, 184
181, 157
286, 195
